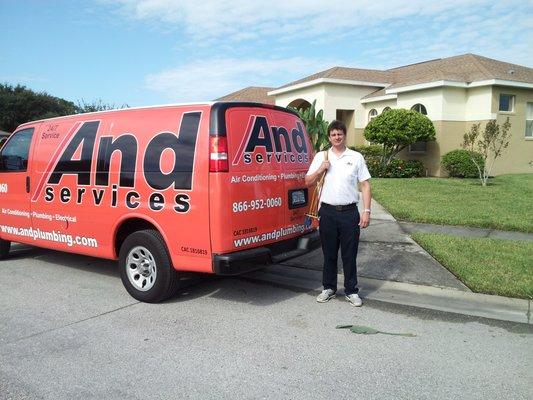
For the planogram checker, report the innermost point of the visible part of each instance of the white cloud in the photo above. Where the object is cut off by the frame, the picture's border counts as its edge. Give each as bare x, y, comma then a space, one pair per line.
228, 38
238, 19
213, 78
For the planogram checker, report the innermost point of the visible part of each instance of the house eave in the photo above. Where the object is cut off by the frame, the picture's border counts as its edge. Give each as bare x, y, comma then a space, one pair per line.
464, 85
379, 98
320, 81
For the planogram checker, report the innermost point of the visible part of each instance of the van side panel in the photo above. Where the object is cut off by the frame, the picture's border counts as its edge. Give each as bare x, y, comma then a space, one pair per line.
94, 172
269, 154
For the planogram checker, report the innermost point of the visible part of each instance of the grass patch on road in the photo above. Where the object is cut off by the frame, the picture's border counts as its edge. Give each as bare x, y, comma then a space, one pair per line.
491, 266
505, 204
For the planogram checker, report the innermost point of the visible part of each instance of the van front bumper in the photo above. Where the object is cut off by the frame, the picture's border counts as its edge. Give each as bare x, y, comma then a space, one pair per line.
243, 261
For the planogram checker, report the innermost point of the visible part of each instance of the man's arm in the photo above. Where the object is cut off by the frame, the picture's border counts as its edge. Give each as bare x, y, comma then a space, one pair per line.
311, 179
367, 199
317, 167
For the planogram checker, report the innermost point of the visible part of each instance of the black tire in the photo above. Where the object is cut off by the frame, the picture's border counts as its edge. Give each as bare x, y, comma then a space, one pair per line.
5, 245
150, 244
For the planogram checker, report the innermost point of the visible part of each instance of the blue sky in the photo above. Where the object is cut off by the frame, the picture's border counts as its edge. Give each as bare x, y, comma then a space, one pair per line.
142, 52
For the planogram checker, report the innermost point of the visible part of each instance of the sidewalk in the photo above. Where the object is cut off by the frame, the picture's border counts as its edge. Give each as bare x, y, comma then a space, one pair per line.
410, 227
386, 252
393, 268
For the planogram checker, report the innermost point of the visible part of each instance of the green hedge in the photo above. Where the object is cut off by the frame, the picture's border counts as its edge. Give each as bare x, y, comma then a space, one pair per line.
397, 168
459, 164
374, 150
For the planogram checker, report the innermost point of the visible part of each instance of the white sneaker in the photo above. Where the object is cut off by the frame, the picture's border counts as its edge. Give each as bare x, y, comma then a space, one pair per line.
354, 299
326, 295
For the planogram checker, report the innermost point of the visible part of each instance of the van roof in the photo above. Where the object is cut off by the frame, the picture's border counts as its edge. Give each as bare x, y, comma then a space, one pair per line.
221, 105
204, 103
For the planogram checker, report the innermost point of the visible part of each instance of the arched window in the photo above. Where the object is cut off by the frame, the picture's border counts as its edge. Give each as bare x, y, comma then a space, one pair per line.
372, 114
420, 108
385, 109
419, 147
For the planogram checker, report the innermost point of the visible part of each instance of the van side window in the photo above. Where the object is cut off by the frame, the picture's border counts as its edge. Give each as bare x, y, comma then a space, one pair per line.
14, 155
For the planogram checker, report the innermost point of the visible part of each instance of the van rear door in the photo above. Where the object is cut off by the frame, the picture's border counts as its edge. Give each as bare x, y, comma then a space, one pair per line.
261, 197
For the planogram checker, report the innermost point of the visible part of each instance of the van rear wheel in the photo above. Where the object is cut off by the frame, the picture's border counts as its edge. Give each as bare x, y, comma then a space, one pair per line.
5, 245
145, 267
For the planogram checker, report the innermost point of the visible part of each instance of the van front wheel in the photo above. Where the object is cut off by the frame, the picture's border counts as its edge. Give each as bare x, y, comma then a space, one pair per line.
5, 245
145, 267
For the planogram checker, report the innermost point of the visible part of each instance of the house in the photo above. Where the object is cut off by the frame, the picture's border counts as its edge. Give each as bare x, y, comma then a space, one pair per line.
453, 92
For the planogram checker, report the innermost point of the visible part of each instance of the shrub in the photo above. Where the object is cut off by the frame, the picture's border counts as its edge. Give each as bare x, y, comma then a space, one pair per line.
459, 164
374, 150
397, 168
398, 128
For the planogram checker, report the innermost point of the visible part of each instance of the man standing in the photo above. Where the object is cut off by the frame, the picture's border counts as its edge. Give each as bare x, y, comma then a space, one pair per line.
340, 221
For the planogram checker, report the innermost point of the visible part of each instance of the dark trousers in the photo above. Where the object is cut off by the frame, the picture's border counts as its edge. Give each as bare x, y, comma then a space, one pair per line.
339, 228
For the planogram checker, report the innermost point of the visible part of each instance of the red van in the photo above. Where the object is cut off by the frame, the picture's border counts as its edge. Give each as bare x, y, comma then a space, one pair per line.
212, 188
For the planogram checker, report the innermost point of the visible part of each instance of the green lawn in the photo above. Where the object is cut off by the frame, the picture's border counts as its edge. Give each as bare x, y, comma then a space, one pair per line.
492, 266
506, 204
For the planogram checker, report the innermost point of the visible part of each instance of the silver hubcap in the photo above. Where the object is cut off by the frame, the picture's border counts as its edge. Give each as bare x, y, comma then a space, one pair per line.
141, 268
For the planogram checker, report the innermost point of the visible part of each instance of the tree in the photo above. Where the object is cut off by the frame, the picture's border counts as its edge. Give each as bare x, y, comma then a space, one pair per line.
396, 129
490, 143
97, 105
316, 126
19, 104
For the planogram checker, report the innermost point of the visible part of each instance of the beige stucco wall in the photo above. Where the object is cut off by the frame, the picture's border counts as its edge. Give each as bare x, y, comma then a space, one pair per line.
453, 111
518, 157
430, 98
344, 97
309, 94
448, 137
331, 97
454, 114
478, 105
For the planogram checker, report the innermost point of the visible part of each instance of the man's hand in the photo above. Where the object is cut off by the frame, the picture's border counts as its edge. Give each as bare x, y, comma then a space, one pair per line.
364, 221
323, 167
310, 180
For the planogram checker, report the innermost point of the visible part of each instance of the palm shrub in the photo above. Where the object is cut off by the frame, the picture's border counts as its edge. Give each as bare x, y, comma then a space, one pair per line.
316, 126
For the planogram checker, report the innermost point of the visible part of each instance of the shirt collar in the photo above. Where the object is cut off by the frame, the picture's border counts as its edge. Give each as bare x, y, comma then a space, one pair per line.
346, 152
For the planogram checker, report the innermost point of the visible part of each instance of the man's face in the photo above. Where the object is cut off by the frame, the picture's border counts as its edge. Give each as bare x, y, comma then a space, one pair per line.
337, 138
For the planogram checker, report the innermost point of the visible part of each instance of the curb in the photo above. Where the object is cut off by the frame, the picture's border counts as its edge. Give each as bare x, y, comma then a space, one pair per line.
429, 297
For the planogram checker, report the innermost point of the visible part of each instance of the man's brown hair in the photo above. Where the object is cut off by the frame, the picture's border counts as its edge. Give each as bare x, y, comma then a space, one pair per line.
336, 124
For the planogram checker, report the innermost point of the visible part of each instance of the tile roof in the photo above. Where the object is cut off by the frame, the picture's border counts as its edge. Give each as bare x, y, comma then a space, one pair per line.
251, 93
463, 68
354, 74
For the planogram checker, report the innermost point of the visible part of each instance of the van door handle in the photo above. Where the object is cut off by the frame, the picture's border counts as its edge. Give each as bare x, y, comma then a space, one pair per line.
27, 184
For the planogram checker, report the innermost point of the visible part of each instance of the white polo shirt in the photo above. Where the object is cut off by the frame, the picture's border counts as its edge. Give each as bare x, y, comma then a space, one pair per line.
345, 171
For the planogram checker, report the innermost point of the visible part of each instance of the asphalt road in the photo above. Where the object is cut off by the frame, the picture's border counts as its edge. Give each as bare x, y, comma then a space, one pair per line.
68, 330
